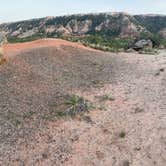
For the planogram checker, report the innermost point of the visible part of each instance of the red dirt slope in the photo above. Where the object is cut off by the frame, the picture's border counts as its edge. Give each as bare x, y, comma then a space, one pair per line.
11, 49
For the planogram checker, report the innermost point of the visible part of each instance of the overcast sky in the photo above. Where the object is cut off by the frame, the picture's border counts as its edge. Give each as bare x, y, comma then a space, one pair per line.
13, 10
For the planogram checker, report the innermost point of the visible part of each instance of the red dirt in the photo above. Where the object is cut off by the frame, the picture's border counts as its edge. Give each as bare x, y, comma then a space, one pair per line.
13, 49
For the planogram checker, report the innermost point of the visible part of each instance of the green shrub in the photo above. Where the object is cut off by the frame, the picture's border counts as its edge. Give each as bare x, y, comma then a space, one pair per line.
122, 134
22, 40
155, 38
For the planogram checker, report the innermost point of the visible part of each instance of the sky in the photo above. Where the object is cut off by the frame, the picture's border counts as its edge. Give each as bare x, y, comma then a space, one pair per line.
15, 10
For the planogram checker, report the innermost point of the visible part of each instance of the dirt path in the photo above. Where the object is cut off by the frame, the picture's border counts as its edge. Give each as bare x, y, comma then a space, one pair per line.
127, 127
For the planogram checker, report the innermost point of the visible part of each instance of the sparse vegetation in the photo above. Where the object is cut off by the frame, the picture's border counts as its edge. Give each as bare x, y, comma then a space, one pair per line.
28, 115
68, 105
108, 97
101, 43
122, 134
13, 118
76, 105
17, 119
139, 110
148, 51
22, 40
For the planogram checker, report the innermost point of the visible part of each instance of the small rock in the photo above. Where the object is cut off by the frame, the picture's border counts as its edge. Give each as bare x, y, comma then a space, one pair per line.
162, 70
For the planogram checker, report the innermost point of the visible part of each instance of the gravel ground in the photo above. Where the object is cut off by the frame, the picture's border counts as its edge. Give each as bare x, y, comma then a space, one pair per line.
126, 127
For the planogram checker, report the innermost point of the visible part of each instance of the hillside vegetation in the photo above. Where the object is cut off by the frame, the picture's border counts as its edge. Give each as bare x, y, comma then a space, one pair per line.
107, 31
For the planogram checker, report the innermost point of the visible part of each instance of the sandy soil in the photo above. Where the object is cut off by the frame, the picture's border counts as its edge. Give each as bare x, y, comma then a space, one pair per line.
129, 130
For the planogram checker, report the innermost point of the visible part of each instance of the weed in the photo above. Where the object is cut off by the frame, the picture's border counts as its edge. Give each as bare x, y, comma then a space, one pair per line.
76, 105
139, 110
122, 134
68, 105
28, 115
108, 97
13, 118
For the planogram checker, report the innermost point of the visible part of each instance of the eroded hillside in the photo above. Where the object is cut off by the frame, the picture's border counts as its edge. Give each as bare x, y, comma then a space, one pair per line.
106, 24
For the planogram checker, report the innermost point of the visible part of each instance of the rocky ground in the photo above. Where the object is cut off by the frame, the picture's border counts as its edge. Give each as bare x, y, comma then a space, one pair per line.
126, 126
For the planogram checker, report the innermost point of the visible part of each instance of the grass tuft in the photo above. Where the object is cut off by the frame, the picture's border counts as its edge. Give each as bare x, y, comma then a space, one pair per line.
76, 105
139, 110
68, 105
108, 97
122, 134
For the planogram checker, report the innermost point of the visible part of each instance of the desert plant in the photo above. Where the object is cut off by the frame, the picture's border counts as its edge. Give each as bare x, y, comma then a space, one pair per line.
122, 134
68, 105
76, 105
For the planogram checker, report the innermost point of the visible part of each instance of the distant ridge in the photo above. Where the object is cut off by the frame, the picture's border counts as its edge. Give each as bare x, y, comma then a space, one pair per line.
108, 24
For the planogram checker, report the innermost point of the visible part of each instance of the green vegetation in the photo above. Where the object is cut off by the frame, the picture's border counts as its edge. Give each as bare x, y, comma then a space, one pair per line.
101, 43
22, 40
69, 105
122, 134
163, 43
155, 38
108, 97
139, 110
152, 23
76, 105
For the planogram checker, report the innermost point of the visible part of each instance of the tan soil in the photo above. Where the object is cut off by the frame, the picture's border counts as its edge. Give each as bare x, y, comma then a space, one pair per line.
137, 82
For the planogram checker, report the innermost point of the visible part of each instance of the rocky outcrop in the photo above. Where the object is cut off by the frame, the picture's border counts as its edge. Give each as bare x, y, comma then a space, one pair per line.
62, 30
28, 33
142, 44
79, 27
